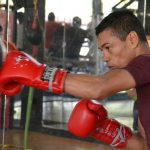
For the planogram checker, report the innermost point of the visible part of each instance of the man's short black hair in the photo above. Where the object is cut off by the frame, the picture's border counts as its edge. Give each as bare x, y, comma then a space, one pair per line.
121, 23
51, 16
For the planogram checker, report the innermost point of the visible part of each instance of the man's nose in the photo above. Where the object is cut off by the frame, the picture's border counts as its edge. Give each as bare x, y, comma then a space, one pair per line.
106, 56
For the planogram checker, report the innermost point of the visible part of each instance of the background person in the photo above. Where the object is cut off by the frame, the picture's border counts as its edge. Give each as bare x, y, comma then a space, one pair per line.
50, 29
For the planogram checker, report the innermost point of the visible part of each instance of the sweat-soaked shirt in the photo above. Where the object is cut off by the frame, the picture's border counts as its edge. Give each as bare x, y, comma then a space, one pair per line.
139, 68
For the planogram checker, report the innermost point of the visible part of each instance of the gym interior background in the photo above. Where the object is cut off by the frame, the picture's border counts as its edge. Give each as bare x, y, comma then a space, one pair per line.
43, 118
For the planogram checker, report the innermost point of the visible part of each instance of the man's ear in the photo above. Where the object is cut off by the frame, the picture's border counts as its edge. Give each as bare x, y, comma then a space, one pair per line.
133, 39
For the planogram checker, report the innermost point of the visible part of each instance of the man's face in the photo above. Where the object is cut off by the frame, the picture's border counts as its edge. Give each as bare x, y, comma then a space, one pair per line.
116, 53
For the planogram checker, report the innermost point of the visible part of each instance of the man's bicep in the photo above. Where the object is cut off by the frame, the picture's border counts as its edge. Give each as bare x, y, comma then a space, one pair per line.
118, 80
129, 79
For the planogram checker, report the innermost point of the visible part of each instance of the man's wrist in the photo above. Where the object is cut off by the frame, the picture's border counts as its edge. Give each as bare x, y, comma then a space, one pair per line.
55, 78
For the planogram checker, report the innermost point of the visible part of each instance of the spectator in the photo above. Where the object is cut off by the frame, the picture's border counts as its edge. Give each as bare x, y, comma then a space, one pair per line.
50, 28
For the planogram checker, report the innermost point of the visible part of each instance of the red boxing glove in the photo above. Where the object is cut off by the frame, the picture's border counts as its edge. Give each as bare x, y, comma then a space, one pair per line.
21, 68
89, 118
12, 88
113, 133
84, 117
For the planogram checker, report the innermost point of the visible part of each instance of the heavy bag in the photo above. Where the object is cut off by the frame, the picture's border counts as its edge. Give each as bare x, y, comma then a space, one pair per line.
34, 32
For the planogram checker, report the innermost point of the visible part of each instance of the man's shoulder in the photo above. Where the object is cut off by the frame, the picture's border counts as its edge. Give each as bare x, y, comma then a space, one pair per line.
141, 59
145, 56
139, 68
140, 64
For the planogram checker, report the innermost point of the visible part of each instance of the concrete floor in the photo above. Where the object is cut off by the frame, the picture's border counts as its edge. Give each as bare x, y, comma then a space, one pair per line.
40, 141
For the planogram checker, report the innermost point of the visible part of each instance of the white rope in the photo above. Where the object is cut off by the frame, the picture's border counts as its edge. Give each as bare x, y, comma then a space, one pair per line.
5, 97
144, 14
4, 119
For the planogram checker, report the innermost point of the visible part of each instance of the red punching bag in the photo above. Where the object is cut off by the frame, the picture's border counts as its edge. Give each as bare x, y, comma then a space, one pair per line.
34, 32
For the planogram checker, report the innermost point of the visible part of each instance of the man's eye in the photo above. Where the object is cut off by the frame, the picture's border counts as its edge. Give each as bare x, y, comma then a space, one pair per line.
107, 48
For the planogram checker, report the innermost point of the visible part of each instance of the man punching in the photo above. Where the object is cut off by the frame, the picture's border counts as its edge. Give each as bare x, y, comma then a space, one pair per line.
125, 49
